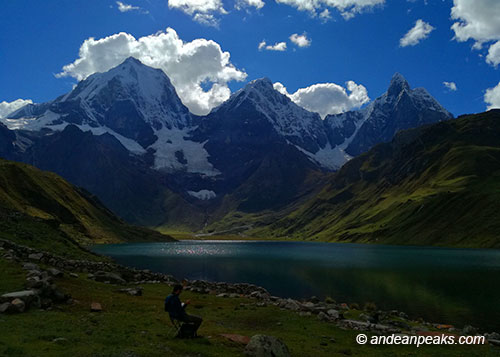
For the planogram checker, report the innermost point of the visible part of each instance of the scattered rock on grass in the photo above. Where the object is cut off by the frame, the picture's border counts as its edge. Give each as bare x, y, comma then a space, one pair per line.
95, 307
266, 346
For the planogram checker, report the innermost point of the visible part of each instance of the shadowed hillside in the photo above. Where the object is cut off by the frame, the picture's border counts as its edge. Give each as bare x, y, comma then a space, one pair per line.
41, 209
435, 185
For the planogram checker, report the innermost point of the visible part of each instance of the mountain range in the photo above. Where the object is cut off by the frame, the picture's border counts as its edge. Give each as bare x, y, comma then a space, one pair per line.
125, 136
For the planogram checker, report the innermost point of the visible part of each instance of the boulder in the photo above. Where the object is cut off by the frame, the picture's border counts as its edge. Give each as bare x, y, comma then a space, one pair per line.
266, 346
469, 330
35, 256
55, 273
25, 295
113, 278
323, 317
31, 266
334, 314
132, 291
18, 305
33, 282
5, 308
314, 299
290, 304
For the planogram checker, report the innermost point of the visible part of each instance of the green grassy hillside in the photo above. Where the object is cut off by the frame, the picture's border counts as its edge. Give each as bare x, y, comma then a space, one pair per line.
42, 210
435, 185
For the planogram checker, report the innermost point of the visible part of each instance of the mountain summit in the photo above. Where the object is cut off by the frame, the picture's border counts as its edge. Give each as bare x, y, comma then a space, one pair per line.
398, 109
397, 85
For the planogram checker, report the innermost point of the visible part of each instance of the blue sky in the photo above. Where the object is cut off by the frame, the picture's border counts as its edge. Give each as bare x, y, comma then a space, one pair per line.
38, 38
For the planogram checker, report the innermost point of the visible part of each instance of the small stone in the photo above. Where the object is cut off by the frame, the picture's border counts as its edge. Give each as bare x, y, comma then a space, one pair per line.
95, 307
73, 275
60, 340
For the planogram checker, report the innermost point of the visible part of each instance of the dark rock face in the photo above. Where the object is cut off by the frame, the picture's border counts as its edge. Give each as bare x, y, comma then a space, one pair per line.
123, 117
337, 133
102, 166
7, 139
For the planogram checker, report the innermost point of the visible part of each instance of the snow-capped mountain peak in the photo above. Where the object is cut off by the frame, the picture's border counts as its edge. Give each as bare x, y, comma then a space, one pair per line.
397, 85
259, 99
148, 89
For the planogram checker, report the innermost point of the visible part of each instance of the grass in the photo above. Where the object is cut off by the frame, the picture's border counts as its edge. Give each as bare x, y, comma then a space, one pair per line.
138, 326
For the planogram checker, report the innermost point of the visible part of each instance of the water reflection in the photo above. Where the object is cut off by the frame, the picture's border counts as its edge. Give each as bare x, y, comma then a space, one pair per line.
442, 285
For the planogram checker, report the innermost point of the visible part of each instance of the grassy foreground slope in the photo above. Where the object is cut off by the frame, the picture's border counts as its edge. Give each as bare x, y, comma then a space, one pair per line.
42, 210
434, 185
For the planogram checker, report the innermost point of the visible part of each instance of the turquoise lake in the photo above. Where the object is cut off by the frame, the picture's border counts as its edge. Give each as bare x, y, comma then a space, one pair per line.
445, 285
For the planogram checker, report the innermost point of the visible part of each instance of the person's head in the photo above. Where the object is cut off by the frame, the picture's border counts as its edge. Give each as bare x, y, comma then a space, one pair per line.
177, 289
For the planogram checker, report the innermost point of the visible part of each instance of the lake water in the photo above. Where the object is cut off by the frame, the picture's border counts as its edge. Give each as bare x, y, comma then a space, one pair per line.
458, 286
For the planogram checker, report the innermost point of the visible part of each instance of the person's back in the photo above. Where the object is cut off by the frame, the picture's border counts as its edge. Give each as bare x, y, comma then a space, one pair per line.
174, 307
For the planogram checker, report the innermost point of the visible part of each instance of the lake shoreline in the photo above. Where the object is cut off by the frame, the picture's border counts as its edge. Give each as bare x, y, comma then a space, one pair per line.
343, 315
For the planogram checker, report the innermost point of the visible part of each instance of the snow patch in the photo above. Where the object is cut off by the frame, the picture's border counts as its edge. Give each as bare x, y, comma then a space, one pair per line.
203, 195
172, 144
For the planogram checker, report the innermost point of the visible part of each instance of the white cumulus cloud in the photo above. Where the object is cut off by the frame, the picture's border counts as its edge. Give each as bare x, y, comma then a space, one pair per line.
9, 107
202, 11
300, 40
451, 86
492, 97
278, 46
126, 7
347, 8
188, 64
328, 98
493, 56
417, 33
478, 20
258, 4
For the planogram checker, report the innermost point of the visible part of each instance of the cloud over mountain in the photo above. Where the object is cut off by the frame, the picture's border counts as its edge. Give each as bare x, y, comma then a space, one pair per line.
191, 66
492, 97
9, 107
328, 98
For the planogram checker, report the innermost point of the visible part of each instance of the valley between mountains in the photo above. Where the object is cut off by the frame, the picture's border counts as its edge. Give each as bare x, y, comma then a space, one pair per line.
401, 170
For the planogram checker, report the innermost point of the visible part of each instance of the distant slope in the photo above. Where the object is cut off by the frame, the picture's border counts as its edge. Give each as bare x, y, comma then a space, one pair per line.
435, 185
35, 204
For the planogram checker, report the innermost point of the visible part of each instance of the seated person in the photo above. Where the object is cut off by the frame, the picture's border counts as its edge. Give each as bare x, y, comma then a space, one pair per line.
177, 311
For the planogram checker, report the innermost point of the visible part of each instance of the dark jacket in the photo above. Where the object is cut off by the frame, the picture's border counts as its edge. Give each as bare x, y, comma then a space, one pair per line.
174, 307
